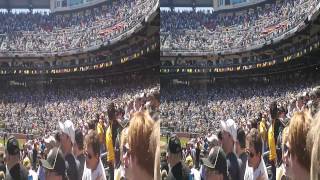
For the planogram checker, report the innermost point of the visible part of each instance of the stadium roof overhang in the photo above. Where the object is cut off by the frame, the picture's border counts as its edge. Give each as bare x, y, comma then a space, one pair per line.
186, 3
24, 4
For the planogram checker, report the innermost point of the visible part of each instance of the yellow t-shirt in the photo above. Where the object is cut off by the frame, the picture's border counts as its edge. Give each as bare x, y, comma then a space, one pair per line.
263, 130
272, 144
100, 132
109, 145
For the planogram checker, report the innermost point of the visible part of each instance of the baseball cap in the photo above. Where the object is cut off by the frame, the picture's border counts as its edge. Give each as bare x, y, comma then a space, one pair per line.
13, 146
231, 127
54, 161
68, 128
174, 145
216, 160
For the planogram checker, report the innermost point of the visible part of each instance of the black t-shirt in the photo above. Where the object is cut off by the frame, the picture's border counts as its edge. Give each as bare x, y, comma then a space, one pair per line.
179, 172
81, 159
72, 169
3, 167
17, 172
233, 166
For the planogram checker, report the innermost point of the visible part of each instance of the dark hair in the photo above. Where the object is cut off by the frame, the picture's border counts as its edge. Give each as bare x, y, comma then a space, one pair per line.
92, 125
273, 110
111, 111
92, 139
282, 110
241, 137
57, 136
79, 138
220, 135
255, 140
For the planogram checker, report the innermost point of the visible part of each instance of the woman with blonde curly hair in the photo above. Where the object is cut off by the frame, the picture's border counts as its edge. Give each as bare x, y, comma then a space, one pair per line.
298, 156
139, 158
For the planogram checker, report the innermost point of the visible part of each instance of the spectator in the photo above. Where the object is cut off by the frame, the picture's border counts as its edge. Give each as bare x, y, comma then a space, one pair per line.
284, 170
195, 174
229, 137
67, 142
256, 168
94, 168
15, 170
272, 137
313, 146
111, 134
178, 168
78, 150
298, 156
27, 164
241, 151
55, 165
216, 164
140, 156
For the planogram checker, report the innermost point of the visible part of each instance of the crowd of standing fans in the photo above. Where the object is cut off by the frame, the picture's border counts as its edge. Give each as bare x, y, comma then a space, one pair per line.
62, 32
280, 143
215, 31
117, 140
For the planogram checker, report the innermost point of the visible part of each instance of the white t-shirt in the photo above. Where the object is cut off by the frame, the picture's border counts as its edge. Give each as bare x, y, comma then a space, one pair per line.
97, 174
196, 174
260, 172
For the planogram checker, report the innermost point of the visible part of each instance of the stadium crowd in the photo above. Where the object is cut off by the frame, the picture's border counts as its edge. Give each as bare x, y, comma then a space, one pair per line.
256, 131
96, 132
215, 31
62, 32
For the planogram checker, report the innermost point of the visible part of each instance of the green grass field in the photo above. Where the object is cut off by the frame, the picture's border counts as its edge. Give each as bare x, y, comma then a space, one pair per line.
21, 142
163, 140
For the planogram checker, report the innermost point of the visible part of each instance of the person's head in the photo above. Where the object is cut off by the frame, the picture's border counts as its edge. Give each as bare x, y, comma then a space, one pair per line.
140, 158
111, 111
273, 109
313, 145
254, 148
298, 156
174, 150
229, 135
285, 158
67, 136
92, 150
12, 152
215, 166
300, 102
282, 112
241, 141
78, 146
54, 165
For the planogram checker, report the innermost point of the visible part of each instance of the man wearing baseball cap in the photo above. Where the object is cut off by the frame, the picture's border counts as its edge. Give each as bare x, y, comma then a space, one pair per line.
54, 165
178, 171
215, 165
67, 138
229, 137
16, 171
